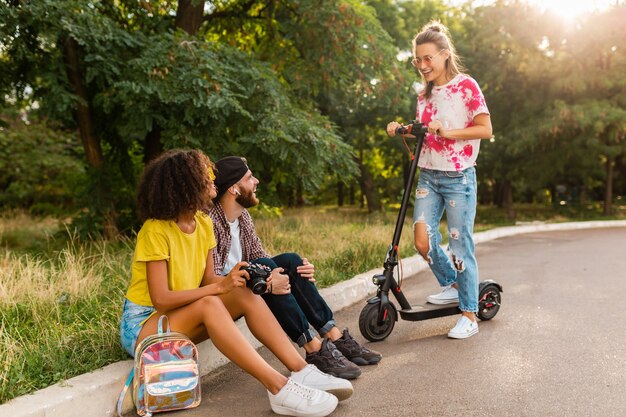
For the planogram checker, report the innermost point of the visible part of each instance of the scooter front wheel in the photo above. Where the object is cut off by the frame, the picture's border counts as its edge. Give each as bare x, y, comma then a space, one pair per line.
489, 302
368, 322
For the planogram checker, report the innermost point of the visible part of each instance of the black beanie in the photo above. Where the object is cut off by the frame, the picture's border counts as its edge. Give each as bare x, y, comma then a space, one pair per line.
229, 171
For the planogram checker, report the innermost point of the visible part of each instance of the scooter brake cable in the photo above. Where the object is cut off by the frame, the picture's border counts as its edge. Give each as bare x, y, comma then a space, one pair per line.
407, 147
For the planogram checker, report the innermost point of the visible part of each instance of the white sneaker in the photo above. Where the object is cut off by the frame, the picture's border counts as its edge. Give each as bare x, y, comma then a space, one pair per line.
448, 295
312, 377
297, 400
463, 329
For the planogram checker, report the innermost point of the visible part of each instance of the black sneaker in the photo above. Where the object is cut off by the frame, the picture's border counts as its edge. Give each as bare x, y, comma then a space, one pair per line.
354, 352
330, 361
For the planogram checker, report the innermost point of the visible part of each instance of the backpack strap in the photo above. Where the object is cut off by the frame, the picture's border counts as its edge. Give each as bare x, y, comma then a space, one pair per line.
160, 325
120, 400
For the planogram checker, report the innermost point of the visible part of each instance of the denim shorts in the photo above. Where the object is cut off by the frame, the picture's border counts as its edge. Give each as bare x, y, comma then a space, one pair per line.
133, 318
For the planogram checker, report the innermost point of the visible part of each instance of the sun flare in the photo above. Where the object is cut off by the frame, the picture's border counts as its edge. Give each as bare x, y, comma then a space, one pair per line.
570, 10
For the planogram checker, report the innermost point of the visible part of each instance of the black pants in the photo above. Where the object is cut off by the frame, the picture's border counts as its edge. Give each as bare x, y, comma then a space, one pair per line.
304, 305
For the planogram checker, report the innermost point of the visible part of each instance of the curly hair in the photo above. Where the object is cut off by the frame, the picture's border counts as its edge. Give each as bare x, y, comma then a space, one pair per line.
176, 182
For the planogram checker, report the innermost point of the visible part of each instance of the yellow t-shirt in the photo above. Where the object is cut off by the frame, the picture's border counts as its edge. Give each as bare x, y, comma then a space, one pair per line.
185, 253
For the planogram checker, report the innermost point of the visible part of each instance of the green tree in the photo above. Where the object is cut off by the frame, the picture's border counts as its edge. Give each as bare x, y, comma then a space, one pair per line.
332, 53
131, 84
39, 167
556, 97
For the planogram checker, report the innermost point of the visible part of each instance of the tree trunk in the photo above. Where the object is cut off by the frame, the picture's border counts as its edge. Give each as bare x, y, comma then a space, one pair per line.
497, 194
82, 114
507, 200
366, 181
351, 193
91, 143
340, 196
188, 18
152, 146
189, 15
291, 201
299, 195
503, 195
608, 191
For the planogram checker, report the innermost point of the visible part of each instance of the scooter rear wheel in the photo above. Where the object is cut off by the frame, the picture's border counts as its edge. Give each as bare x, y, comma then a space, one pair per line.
489, 302
368, 322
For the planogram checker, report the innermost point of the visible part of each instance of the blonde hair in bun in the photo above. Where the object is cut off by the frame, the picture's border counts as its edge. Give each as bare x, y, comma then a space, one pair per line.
435, 26
435, 32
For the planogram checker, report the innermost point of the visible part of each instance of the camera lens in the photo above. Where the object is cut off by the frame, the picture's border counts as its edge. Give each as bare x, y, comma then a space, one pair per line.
259, 286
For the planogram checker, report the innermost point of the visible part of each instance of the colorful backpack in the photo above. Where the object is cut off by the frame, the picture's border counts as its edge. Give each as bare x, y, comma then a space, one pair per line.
166, 375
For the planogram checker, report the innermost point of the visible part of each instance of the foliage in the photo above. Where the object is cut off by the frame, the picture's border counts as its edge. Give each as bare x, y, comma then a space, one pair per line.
139, 80
304, 88
39, 167
555, 93
333, 53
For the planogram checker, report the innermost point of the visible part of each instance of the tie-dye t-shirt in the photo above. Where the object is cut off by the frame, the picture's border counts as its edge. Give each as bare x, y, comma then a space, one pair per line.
455, 104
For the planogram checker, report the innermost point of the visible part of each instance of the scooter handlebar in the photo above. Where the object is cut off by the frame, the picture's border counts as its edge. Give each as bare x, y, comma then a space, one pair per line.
413, 128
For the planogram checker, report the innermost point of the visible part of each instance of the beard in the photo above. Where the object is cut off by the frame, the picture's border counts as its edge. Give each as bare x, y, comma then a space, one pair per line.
247, 199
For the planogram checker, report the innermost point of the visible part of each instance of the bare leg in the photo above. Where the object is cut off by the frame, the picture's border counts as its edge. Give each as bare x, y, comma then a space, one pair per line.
333, 334
422, 245
420, 236
313, 346
209, 317
263, 325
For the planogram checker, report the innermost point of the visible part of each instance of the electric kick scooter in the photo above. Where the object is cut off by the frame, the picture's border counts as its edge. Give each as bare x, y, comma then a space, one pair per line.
379, 315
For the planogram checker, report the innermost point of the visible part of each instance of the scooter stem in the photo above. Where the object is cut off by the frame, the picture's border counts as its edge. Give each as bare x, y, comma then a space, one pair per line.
418, 130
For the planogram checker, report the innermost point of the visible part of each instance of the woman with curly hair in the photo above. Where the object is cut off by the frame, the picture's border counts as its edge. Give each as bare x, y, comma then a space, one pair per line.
173, 274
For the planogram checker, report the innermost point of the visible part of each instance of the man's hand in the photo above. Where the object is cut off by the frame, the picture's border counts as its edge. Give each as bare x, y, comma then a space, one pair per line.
307, 270
278, 282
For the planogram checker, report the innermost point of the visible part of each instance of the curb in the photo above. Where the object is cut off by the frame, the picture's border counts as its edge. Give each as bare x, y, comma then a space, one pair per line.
95, 393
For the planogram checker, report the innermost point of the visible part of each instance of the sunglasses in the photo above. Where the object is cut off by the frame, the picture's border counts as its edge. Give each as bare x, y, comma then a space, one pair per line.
428, 59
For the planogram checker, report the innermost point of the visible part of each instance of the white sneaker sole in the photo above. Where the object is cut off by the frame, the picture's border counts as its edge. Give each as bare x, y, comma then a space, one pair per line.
440, 302
288, 411
341, 393
462, 335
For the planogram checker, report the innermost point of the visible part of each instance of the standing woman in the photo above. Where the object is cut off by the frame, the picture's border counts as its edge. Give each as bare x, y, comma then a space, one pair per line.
454, 109
172, 274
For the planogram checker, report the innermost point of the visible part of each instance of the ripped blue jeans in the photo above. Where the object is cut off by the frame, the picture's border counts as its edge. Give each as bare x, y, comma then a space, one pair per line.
454, 192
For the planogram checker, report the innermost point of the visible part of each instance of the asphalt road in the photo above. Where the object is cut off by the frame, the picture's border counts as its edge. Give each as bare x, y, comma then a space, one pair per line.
556, 348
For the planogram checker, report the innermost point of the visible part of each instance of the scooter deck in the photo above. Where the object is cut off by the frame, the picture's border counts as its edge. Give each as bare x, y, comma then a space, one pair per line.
429, 311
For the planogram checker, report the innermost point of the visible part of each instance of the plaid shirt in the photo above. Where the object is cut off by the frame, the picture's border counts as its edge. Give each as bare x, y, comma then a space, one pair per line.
251, 246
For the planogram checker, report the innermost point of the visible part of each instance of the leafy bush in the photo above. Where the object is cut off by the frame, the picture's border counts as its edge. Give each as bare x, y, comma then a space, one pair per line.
39, 168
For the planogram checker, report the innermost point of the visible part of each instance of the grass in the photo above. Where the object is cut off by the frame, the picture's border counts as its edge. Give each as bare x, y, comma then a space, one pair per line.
340, 242
58, 308
60, 299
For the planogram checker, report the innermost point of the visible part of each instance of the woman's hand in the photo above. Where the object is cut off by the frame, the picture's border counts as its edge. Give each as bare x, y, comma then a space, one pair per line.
392, 127
278, 283
306, 270
236, 278
436, 127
